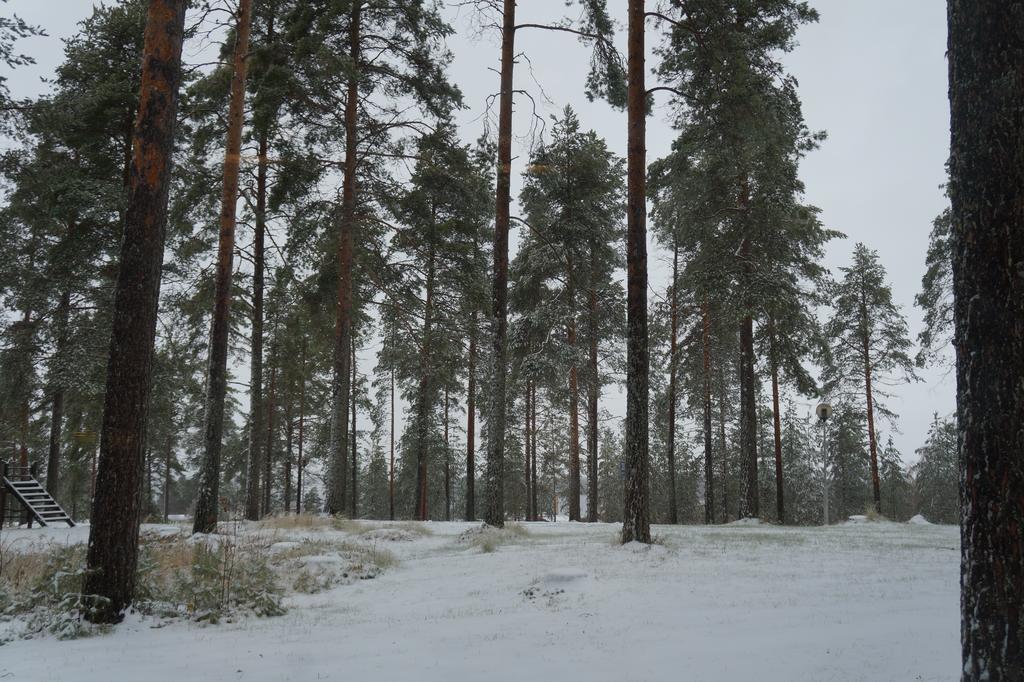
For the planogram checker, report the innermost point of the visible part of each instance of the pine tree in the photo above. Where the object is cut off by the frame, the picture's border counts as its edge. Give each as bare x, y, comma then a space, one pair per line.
935, 474
936, 296
209, 489
870, 345
114, 529
573, 213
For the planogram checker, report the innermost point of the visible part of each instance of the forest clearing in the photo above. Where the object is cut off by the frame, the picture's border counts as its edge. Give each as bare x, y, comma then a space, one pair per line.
512, 339
854, 601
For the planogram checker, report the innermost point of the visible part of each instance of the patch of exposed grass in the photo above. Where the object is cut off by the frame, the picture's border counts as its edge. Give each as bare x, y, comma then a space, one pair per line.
417, 527
488, 538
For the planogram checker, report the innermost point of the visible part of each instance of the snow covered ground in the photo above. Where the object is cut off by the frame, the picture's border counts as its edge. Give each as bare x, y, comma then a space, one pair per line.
861, 601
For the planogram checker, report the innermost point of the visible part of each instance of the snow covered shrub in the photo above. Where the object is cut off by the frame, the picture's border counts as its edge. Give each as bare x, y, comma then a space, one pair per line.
488, 538
223, 580
55, 603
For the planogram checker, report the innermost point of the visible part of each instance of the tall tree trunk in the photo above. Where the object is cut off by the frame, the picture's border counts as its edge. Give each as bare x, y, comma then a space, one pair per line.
168, 459
268, 455
57, 401
471, 426
391, 469
447, 464
252, 493
533, 450
114, 527
876, 487
526, 449
423, 392
220, 327
709, 471
289, 432
723, 445
670, 442
749, 502
495, 478
302, 429
354, 512
593, 395
574, 406
346, 243
636, 514
780, 504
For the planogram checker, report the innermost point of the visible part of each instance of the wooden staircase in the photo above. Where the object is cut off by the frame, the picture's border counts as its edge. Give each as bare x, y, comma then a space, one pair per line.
20, 483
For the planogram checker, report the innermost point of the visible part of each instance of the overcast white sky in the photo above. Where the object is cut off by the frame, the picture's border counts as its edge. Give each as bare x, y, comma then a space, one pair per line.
872, 73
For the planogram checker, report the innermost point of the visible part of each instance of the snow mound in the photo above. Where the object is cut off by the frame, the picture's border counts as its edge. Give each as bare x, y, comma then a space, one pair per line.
389, 535
919, 520
747, 521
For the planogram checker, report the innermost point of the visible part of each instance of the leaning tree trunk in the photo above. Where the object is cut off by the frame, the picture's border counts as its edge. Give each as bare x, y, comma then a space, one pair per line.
986, 67
749, 502
114, 528
495, 473
252, 493
220, 329
343, 322
670, 441
780, 503
709, 473
636, 514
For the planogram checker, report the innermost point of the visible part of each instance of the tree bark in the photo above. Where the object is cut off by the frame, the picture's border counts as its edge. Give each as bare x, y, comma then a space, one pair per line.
986, 67
207, 505
346, 243
636, 515
114, 528
495, 511
670, 443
